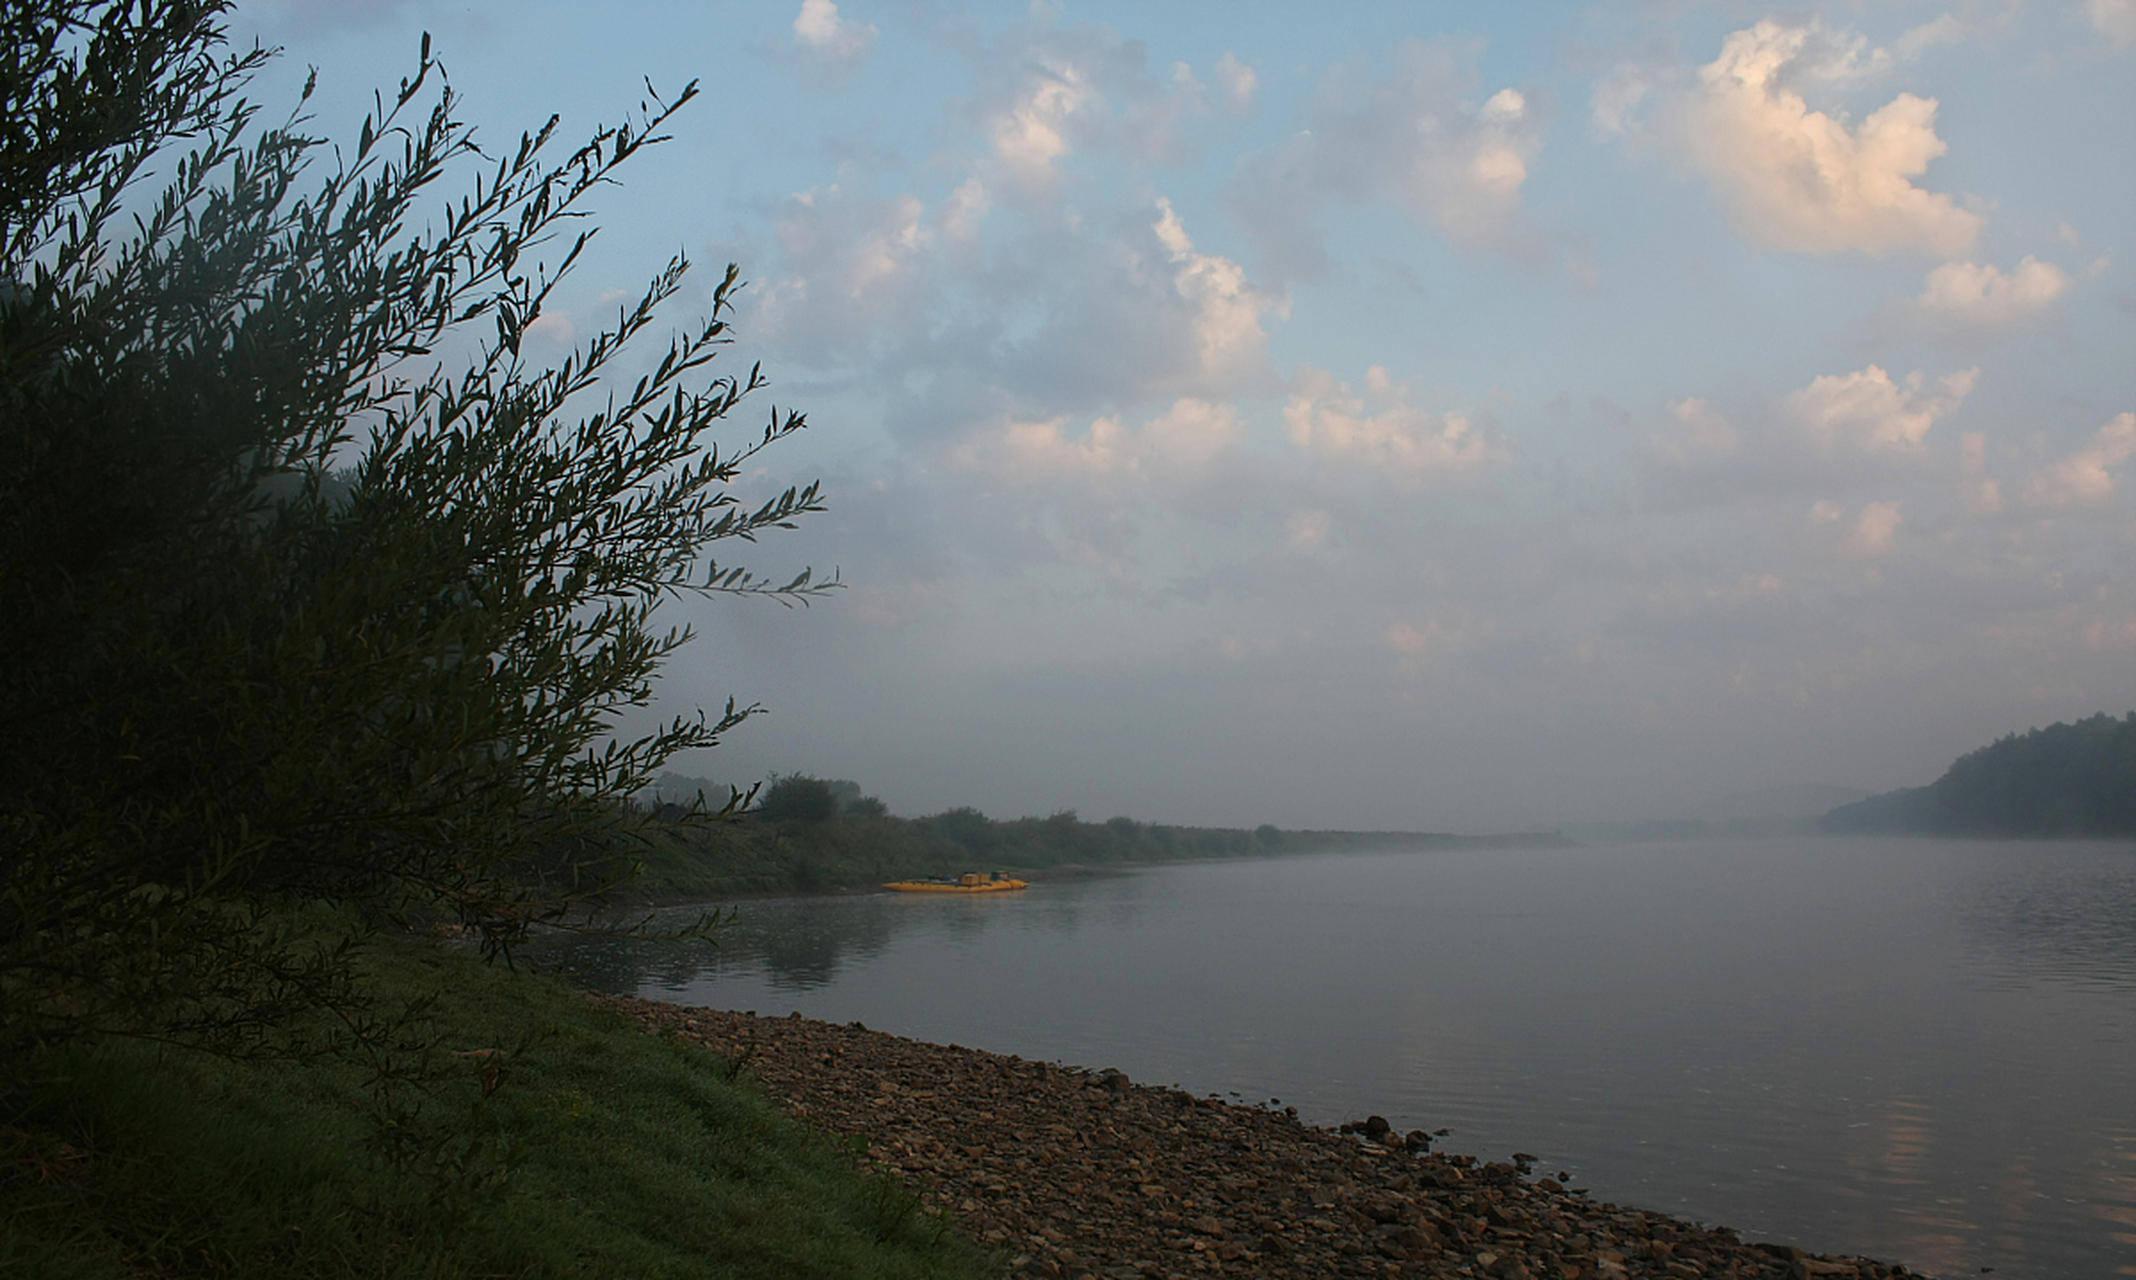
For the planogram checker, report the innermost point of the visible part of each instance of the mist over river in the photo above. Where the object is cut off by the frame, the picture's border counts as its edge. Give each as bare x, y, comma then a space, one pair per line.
1920, 1050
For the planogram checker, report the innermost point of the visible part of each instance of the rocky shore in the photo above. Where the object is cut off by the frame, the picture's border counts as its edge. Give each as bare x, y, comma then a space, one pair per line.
1085, 1174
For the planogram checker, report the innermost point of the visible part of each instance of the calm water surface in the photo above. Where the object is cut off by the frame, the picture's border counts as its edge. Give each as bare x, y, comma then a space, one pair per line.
1920, 1050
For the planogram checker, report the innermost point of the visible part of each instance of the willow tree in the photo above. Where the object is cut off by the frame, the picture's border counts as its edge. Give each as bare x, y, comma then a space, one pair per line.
318, 588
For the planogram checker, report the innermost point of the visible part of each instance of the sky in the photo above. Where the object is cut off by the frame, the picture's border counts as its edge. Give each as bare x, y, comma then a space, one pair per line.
1390, 416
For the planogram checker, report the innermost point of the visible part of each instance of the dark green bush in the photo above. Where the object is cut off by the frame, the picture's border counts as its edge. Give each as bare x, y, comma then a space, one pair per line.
298, 610
798, 797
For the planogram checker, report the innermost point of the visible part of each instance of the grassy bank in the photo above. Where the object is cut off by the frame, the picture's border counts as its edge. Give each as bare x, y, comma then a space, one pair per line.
754, 855
558, 1140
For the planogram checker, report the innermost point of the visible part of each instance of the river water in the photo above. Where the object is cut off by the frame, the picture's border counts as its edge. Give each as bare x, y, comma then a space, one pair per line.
1920, 1050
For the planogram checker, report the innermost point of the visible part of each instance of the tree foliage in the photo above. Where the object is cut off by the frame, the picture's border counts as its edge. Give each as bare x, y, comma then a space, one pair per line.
320, 589
797, 797
2075, 779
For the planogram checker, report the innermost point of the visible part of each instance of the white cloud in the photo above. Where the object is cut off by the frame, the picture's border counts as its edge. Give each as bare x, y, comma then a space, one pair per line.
1870, 533
819, 30
1328, 419
1873, 530
854, 267
1047, 94
964, 211
2086, 477
1188, 437
1457, 169
1032, 131
1842, 430
1697, 433
552, 327
1179, 444
1802, 179
1416, 139
985, 316
1969, 299
1867, 411
1946, 28
1238, 81
2114, 19
1973, 21
1022, 453
1227, 308
1617, 96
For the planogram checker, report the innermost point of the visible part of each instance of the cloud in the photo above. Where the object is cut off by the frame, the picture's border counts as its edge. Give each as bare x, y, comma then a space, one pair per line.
855, 267
1327, 419
1963, 301
960, 314
1238, 81
1124, 309
2086, 477
1946, 28
1617, 96
1976, 22
1865, 411
1046, 94
1791, 177
2114, 19
1227, 308
1845, 429
1032, 131
1869, 535
1696, 434
1179, 444
961, 215
1873, 529
822, 34
1415, 138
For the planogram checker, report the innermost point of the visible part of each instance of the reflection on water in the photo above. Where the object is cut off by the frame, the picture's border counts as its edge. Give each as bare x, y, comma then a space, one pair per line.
1920, 1050
2117, 1209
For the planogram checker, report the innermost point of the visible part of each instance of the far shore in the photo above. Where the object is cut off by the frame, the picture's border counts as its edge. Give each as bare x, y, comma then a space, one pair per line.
686, 890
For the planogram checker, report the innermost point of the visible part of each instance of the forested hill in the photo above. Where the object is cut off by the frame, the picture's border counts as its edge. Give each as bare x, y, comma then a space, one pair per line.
2064, 780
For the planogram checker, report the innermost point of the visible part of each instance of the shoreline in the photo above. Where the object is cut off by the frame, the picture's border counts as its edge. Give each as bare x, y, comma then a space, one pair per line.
1073, 1174
624, 900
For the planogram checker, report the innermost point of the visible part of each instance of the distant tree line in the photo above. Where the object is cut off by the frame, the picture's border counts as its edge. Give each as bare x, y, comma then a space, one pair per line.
2064, 780
802, 834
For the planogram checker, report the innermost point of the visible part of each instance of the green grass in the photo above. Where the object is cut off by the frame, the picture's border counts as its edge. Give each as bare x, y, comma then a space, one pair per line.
599, 1150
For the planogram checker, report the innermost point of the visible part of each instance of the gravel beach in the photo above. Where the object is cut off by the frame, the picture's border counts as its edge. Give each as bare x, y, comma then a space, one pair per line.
1075, 1174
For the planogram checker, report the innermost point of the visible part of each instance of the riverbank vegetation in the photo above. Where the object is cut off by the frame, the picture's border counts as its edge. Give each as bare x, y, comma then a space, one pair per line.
2066, 780
542, 1136
325, 607
810, 835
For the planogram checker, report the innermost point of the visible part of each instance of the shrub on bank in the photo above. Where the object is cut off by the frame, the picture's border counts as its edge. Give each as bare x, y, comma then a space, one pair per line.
553, 1139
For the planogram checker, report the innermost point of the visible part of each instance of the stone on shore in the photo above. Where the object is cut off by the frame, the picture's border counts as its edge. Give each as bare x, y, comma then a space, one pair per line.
1071, 1174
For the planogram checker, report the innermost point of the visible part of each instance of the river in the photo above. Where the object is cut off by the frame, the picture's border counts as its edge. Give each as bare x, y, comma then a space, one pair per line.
1924, 1051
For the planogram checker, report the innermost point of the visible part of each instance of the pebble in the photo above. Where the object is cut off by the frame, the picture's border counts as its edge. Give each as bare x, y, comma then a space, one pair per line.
1075, 1175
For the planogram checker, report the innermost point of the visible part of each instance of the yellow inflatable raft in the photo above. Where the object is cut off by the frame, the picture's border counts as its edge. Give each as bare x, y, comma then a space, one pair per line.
970, 882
